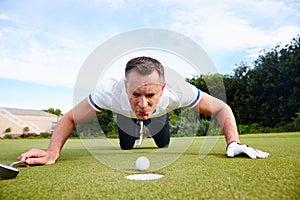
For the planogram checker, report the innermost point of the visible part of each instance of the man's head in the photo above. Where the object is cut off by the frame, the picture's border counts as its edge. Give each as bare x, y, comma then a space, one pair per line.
145, 65
144, 85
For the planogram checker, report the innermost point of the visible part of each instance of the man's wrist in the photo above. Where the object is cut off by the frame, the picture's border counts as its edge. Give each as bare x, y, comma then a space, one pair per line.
232, 142
53, 155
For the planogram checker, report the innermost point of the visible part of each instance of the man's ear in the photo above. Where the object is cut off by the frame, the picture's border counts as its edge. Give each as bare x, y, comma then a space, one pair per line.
125, 84
163, 88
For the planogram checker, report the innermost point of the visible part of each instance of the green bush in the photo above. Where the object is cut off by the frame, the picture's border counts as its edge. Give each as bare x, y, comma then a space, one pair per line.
256, 128
28, 135
215, 132
185, 128
296, 122
8, 130
8, 136
203, 127
45, 135
243, 129
252, 128
26, 129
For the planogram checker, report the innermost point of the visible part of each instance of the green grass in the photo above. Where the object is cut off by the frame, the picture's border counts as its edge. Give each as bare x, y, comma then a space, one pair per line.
78, 175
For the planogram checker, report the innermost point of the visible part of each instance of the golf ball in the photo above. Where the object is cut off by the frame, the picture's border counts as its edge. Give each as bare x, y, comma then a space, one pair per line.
142, 163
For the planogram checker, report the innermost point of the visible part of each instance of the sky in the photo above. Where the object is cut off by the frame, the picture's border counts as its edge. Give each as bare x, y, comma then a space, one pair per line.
43, 44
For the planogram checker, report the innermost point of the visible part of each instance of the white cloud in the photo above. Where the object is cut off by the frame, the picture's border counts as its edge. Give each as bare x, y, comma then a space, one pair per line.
40, 54
4, 17
31, 50
34, 55
237, 25
115, 3
39, 68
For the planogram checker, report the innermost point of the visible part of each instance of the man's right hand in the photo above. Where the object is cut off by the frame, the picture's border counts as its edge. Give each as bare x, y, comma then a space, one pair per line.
36, 157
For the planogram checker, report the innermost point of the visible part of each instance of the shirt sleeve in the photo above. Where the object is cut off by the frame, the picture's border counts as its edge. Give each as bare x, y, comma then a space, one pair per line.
185, 95
101, 98
197, 99
181, 93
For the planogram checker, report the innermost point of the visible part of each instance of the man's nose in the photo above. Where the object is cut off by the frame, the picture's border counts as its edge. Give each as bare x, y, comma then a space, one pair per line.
142, 102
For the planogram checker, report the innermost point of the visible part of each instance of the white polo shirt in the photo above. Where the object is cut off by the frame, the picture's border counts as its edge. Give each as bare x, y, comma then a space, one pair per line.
110, 94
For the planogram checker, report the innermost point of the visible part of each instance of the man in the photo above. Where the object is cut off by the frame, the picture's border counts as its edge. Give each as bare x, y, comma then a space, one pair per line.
142, 101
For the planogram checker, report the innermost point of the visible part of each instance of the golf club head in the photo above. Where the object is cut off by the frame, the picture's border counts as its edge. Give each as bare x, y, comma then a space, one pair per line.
7, 172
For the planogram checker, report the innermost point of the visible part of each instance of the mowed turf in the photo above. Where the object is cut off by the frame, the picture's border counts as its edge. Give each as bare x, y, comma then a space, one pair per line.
77, 175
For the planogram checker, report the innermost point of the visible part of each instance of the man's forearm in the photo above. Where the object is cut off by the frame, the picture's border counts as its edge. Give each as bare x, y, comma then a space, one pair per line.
227, 121
215, 107
61, 133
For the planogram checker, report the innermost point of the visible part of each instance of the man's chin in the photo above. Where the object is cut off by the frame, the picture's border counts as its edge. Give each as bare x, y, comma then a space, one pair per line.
143, 117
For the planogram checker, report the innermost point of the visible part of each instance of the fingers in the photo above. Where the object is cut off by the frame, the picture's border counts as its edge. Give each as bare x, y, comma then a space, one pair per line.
35, 161
28, 154
255, 153
251, 152
33, 157
261, 154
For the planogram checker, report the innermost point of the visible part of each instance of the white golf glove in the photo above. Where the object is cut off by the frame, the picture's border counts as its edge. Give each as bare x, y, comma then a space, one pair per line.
235, 148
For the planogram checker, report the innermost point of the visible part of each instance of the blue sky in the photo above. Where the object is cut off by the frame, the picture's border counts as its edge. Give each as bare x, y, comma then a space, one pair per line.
43, 44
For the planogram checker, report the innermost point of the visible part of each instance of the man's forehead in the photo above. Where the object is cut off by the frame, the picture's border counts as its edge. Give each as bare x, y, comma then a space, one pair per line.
137, 78
146, 87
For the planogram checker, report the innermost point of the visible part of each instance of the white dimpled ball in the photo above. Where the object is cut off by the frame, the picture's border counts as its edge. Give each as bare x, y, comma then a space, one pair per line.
142, 163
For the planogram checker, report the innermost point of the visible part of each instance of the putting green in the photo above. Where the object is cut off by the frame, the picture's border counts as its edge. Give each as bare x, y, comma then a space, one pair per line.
78, 175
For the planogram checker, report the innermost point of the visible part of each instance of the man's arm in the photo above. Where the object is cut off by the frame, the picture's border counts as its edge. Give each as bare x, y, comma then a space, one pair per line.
212, 106
79, 114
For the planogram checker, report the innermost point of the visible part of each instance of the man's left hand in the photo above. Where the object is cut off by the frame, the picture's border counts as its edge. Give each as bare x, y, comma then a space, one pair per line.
235, 148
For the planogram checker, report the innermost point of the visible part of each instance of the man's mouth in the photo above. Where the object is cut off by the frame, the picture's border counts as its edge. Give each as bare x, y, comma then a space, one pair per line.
142, 113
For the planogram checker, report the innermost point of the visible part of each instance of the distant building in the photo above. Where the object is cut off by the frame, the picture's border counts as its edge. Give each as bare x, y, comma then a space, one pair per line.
17, 121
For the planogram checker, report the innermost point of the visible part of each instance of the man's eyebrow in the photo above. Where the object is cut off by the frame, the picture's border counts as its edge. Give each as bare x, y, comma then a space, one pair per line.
150, 94
153, 91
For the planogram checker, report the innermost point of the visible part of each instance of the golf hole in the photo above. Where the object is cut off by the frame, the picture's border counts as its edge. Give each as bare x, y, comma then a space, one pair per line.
144, 177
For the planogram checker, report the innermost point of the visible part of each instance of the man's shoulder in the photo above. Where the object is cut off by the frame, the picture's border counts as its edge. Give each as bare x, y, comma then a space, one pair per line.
111, 83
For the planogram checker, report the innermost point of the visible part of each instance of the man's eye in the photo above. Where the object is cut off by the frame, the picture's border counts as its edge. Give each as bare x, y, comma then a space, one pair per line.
135, 94
150, 95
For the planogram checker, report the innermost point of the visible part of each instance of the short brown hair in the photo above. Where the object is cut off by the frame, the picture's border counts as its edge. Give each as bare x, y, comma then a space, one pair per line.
145, 65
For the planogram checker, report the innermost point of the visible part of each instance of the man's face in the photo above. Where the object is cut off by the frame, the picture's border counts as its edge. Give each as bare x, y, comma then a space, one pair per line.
143, 92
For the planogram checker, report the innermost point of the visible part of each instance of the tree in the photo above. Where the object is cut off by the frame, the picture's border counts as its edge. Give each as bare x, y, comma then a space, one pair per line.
237, 92
54, 111
212, 84
274, 85
265, 94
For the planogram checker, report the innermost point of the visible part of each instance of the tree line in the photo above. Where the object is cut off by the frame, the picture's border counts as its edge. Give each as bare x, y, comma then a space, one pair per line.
266, 95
